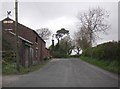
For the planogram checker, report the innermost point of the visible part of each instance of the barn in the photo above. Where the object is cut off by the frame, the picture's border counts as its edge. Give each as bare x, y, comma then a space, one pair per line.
32, 48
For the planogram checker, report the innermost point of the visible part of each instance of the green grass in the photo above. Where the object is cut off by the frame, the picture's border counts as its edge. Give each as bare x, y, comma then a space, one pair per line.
34, 67
10, 68
111, 66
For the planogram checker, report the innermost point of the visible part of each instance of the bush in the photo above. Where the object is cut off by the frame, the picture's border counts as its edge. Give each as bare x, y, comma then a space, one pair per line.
46, 58
108, 51
8, 56
58, 54
9, 68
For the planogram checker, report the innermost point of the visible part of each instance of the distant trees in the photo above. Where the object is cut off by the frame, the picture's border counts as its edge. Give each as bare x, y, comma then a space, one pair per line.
81, 41
44, 33
60, 33
91, 23
64, 46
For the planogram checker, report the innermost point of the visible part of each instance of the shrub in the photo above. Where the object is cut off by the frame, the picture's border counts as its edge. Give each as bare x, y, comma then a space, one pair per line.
8, 56
108, 51
46, 58
58, 54
9, 68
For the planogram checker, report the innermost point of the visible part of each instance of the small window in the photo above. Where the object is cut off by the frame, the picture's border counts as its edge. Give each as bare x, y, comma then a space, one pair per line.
36, 40
36, 53
8, 21
5, 22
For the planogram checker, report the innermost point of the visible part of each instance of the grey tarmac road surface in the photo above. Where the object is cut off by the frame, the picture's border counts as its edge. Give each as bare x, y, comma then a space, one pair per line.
71, 72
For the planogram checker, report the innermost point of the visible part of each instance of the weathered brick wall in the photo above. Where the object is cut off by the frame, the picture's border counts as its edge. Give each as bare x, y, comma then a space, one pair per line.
23, 49
11, 39
45, 53
6, 36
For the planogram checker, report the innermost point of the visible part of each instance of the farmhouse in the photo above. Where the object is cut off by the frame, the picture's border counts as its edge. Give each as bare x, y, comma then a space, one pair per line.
32, 48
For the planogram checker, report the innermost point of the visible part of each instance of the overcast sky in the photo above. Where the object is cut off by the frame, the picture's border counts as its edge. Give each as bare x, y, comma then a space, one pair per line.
57, 15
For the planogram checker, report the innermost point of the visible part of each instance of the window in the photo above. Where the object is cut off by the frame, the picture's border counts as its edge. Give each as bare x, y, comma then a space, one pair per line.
36, 40
36, 53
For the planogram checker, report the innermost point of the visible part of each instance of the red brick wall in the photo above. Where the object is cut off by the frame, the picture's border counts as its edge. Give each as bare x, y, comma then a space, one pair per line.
45, 53
11, 39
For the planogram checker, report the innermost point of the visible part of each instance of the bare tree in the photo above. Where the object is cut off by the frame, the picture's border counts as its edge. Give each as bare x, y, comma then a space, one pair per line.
77, 42
44, 33
91, 23
81, 41
94, 21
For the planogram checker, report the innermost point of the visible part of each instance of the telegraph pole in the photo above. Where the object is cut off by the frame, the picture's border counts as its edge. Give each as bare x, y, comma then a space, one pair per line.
17, 40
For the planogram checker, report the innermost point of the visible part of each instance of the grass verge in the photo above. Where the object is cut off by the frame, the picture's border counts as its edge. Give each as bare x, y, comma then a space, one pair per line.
111, 66
10, 68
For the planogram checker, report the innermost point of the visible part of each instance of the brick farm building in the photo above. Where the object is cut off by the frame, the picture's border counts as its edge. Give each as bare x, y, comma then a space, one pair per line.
32, 48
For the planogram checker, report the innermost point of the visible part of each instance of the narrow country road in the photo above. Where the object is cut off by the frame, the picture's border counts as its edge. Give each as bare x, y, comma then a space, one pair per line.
70, 72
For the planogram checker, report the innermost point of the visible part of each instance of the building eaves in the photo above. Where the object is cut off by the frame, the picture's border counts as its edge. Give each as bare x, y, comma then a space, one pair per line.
38, 35
21, 38
26, 27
